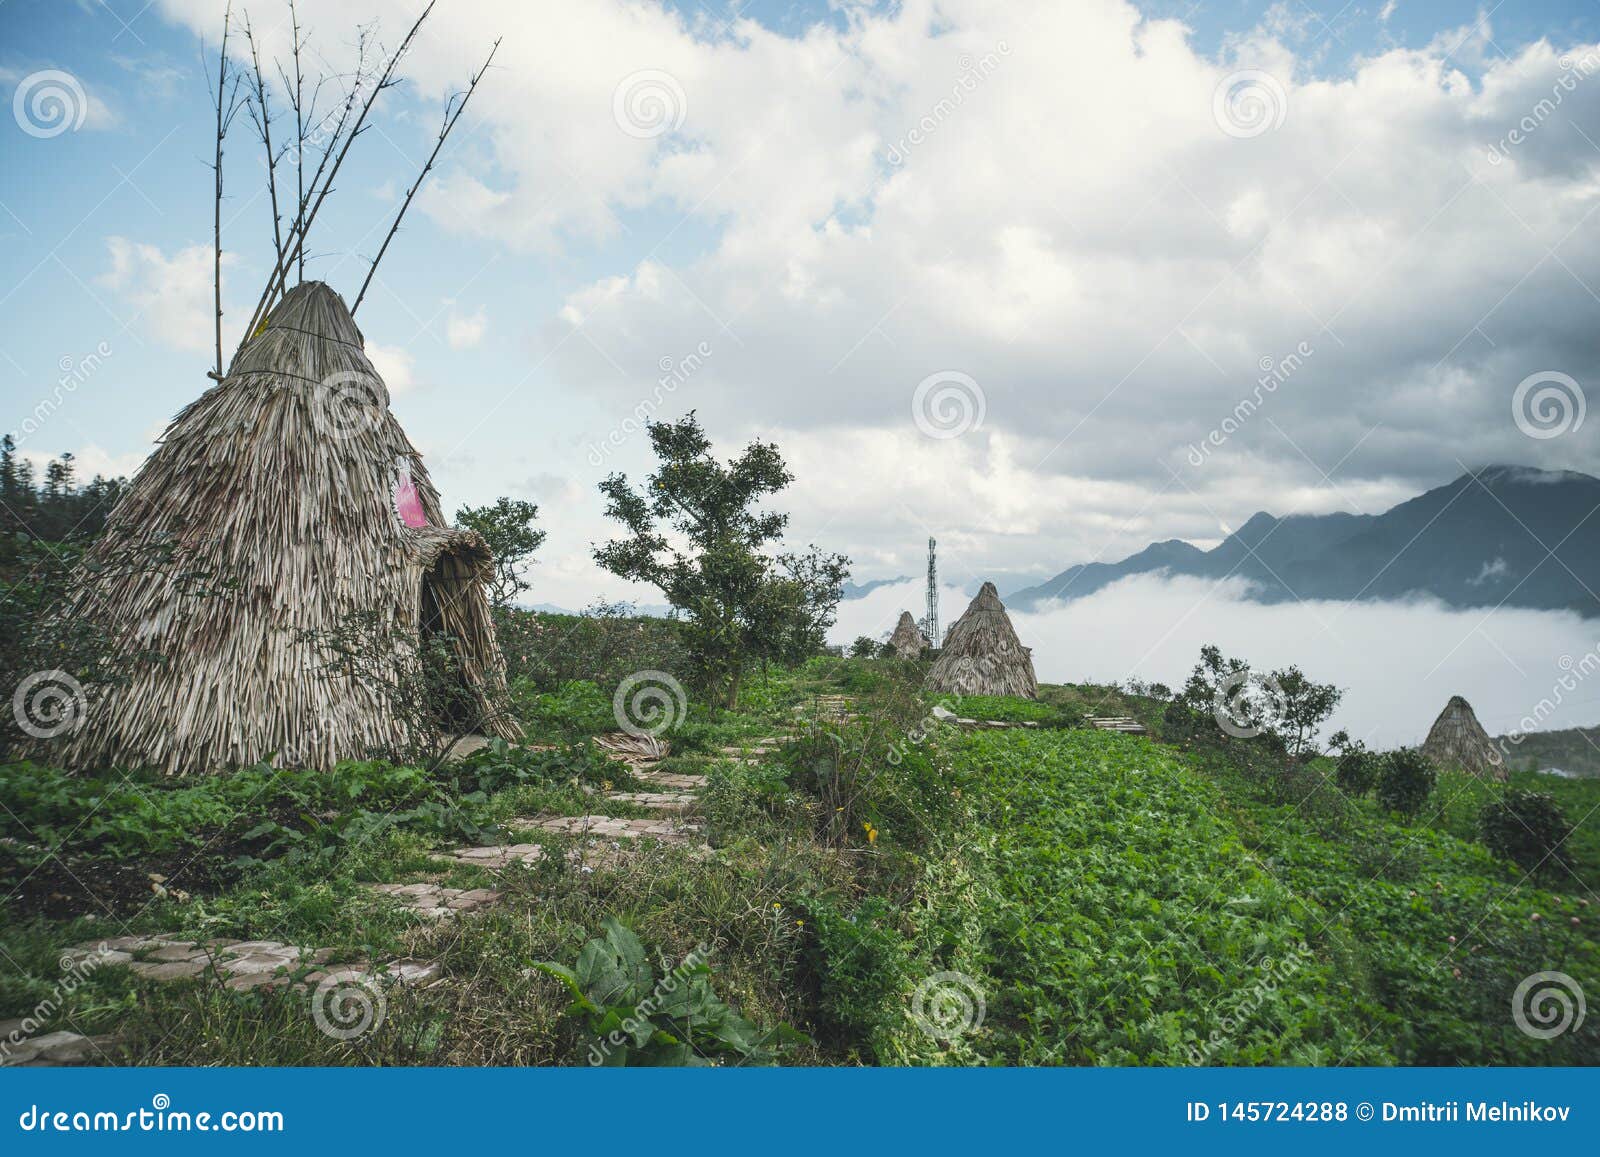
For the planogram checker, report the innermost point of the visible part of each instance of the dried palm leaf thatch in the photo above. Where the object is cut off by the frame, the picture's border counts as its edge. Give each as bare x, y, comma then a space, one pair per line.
282, 503
907, 640
982, 654
1457, 739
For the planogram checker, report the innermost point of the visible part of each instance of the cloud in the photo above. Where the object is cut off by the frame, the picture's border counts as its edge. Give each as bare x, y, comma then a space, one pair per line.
1051, 200
394, 365
465, 330
92, 460
1398, 663
172, 296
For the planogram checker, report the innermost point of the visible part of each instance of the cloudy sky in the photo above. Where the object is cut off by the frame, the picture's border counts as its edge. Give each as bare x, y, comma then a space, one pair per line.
1000, 271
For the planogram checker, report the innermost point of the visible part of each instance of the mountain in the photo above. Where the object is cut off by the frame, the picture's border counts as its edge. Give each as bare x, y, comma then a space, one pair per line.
1507, 534
853, 591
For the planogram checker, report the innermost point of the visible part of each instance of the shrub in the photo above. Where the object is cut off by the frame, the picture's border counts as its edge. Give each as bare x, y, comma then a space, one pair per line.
1405, 781
1356, 770
1526, 827
605, 644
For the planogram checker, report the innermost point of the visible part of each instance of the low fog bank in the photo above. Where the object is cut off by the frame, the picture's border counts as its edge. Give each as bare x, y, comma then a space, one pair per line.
1397, 662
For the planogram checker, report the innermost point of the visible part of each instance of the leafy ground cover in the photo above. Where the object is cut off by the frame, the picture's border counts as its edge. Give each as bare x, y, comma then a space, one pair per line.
879, 889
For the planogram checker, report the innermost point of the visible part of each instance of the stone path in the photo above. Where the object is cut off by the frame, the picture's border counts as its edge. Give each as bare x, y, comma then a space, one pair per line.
241, 963
668, 831
52, 1048
246, 964
435, 901
666, 802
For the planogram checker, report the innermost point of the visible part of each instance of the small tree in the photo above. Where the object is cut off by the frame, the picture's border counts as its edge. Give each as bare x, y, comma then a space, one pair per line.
1405, 782
1356, 770
1526, 827
1209, 678
507, 527
864, 648
738, 605
1302, 707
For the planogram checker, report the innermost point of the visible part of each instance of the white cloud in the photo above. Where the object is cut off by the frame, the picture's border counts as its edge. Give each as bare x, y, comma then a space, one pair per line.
1077, 233
465, 330
394, 365
91, 460
172, 296
1397, 662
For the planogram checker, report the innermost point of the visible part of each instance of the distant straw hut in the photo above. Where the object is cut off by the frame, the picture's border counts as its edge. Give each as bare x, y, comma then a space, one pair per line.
982, 654
284, 503
1457, 739
907, 641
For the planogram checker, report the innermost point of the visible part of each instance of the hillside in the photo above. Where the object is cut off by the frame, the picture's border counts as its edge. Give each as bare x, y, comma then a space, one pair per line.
1575, 750
1507, 534
867, 887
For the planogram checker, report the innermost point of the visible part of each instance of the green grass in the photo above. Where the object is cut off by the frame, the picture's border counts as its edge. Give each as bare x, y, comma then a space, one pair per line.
1112, 900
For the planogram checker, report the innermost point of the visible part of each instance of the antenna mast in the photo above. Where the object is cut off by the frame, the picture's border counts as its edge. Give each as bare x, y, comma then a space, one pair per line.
930, 622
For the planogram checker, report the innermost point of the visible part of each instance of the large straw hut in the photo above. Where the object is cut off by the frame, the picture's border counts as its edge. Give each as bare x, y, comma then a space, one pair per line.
907, 641
1457, 739
284, 508
982, 654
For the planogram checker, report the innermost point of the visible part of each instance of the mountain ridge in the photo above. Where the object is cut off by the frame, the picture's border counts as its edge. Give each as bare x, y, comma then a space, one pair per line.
1510, 535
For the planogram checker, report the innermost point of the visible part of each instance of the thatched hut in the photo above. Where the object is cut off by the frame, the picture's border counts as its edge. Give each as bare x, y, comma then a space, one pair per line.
982, 654
1457, 739
283, 509
907, 641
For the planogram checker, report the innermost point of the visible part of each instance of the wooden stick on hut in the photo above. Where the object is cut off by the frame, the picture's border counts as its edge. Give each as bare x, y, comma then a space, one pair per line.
452, 112
386, 80
226, 102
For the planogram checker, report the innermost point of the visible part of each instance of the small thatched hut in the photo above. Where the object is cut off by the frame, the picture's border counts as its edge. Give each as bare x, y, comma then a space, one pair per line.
907, 641
283, 509
982, 654
1457, 739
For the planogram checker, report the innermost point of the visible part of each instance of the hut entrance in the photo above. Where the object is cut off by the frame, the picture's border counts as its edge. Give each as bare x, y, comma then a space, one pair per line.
447, 587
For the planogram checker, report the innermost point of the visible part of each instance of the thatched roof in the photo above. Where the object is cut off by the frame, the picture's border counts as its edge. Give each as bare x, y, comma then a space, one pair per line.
284, 499
982, 654
1457, 739
907, 640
